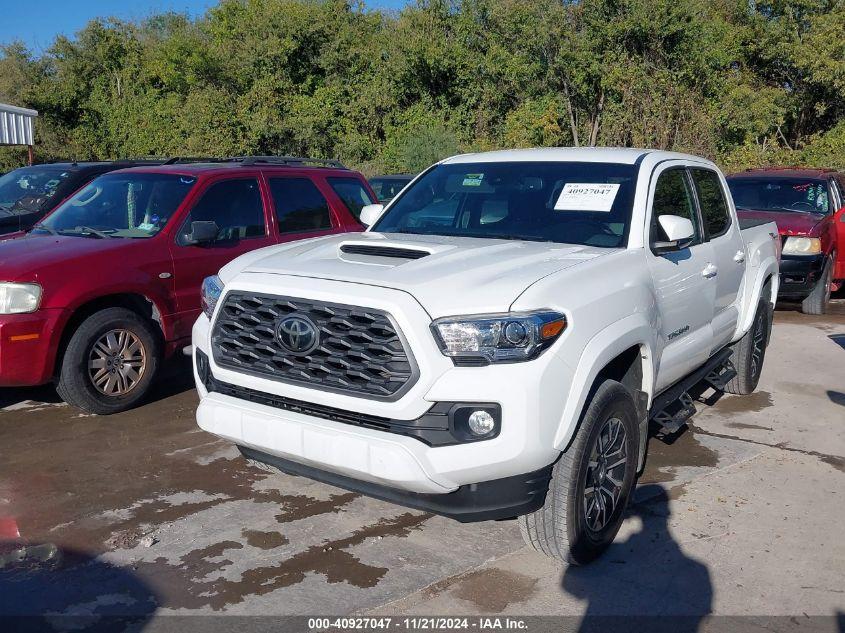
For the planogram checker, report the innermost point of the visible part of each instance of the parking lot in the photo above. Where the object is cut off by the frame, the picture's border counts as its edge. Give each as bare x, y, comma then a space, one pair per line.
142, 513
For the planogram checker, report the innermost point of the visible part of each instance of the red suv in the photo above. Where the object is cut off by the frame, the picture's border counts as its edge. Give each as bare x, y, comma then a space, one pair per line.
96, 295
808, 205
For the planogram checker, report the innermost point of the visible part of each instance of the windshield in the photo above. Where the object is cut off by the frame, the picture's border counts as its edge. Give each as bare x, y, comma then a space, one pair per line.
131, 205
26, 189
387, 188
567, 202
802, 195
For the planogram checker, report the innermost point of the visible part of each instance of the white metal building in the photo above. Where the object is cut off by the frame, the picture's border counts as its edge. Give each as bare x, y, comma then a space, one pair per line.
17, 125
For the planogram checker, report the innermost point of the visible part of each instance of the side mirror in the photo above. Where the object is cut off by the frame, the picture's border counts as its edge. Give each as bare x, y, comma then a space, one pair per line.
371, 213
203, 233
679, 231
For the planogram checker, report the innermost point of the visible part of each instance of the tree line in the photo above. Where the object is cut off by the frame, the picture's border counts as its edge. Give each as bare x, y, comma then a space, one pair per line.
744, 82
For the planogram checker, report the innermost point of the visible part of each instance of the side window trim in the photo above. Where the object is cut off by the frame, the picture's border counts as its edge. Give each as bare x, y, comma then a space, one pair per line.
705, 230
836, 201
200, 194
699, 216
337, 210
697, 221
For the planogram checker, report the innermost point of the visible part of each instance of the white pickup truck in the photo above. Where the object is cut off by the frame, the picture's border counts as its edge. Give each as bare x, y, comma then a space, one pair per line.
497, 343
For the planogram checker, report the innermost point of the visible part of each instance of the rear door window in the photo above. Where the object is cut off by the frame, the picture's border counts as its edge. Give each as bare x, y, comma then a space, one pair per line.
300, 207
235, 206
352, 193
711, 199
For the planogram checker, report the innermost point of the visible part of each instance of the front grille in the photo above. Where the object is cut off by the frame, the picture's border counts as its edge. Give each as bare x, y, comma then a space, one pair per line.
359, 350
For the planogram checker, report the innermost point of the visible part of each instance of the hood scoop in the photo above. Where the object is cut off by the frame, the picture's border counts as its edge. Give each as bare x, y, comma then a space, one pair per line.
394, 252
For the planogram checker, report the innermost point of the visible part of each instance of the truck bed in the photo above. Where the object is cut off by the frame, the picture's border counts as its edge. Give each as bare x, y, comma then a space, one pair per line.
748, 223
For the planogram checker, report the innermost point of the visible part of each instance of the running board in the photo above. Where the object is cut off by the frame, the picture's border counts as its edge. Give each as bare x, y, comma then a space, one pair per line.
672, 408
675, 415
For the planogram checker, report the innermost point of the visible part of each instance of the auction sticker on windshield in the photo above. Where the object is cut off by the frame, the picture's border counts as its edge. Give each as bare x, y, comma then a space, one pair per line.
473, 180
578, 196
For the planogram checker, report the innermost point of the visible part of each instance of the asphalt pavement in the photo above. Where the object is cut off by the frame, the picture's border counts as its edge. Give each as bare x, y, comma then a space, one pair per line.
142, 513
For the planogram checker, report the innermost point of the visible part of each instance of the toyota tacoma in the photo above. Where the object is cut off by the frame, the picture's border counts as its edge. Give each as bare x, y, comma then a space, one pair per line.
497, 342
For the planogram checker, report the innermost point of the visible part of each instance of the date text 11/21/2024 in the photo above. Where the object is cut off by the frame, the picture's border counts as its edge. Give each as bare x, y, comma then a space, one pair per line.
430, 623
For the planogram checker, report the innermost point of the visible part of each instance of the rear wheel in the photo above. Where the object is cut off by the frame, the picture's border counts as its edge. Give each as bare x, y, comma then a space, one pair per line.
749, 352
591, 482
110, 362
816, 302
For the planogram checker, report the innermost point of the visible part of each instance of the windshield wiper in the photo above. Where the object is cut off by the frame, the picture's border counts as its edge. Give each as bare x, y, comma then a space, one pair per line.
489, 236
523, 238
44, 227
87, 229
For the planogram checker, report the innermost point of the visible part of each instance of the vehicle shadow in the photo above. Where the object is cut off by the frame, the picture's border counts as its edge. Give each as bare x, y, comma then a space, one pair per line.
176, 377
836, 397
645, 582
44, 587
14, 396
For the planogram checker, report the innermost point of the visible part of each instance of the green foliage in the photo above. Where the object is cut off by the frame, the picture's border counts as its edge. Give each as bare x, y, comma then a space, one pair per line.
747, 83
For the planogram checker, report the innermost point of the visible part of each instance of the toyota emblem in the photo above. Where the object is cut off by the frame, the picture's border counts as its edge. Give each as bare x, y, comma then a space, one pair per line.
297, 334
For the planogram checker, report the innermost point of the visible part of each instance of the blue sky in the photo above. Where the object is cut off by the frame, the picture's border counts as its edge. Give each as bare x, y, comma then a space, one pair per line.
38, 23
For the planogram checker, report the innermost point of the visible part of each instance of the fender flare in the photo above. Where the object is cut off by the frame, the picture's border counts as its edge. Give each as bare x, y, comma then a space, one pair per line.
607, 344
768, 267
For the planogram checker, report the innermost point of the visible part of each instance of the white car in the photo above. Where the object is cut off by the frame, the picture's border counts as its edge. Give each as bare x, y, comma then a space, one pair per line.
495, 345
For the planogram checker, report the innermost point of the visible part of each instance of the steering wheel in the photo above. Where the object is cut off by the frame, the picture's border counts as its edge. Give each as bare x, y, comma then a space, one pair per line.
81, 201
594, 225
802, 203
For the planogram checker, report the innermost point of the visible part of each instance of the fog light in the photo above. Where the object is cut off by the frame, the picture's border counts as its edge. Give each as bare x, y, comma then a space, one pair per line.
481, 422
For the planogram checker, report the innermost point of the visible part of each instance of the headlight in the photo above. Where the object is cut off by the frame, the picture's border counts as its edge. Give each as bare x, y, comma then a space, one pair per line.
212, 288
19, 298
802, 246
498, 338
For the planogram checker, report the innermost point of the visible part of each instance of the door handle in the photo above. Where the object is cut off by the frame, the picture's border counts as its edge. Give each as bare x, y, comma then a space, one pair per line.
739, 257
709, 271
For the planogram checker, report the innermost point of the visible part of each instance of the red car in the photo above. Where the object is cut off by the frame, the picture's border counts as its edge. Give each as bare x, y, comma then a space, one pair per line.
108, 285
808, 205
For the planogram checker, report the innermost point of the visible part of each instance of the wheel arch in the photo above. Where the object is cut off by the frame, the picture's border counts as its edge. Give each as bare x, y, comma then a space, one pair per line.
767, 274
138, 303
624, 351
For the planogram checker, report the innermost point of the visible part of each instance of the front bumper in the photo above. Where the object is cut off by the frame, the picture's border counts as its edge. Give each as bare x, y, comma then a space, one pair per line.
525, 443
799, 274
28, 346
486, 501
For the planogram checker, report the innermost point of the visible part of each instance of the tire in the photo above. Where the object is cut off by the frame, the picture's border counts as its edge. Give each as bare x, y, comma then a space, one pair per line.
562, 528
817, 301
749, 352
116, 333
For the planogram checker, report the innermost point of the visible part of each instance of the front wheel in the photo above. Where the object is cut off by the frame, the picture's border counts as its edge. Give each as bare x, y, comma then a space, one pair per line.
110, 362
817, 301
591, 482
